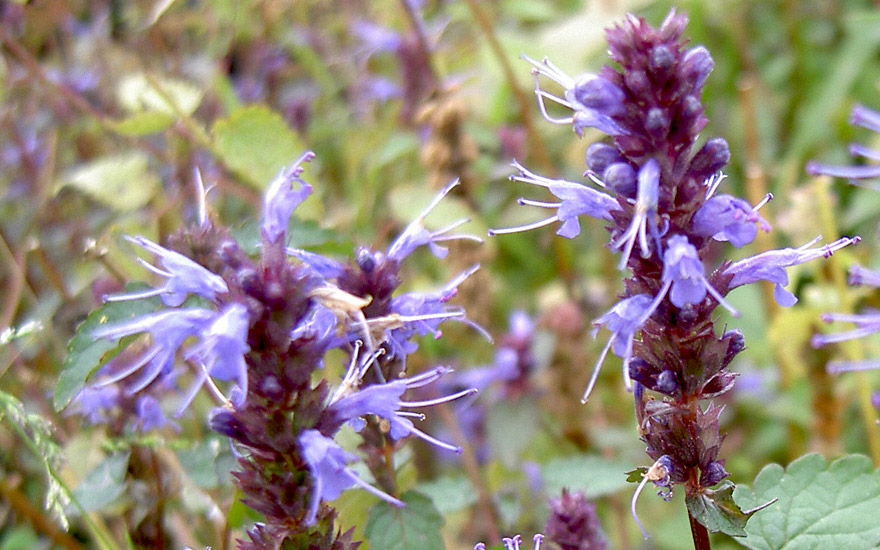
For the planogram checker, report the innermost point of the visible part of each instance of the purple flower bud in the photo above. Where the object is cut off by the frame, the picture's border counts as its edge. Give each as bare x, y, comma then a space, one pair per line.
696, 66
600, 156
594, 92
657, 123
184, 277
282, 199
712, 157
713, 473
621, 178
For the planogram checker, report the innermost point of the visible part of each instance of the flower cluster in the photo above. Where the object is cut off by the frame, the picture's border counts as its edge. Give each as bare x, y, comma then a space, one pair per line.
657, 191
257, 335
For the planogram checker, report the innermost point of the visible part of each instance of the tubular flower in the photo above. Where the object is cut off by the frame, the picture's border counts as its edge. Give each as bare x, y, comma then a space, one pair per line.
282, 199
328, 464
184, 277
728, 218
575, 200
384, 401
770, 266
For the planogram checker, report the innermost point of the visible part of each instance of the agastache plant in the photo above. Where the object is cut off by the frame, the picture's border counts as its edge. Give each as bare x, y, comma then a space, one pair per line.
657, 188
257, 338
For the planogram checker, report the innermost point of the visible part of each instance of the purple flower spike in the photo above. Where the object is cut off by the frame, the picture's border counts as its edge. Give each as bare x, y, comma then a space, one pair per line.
184, 277
576, 200
415, 235
684, 275
728, 218
623, 320
169, 329
770, 266
328, 464
282, 199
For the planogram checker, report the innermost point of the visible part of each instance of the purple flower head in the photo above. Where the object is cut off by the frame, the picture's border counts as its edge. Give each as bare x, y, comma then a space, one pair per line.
282, 199
644, 215
866, 118
384, 401
220, 354
575, 200
728, 218
168, 329
513, 543
328, 464
623, 321
770, 266
184, 277
684, 275
573, 523
415, 235
659, 474
594, 99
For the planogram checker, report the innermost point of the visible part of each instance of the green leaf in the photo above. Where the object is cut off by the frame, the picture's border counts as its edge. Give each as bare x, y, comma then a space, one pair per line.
200, 463
417, 525
122, 181
511, 425
85, 354
718, 512
143, 123
172, 97
819, 506
103, 485
592, 474
450, 493
256, 143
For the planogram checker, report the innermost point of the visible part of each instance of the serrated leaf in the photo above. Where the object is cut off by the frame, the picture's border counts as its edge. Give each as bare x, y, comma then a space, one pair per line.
511, 425
717, 510
417, 525
137, 93
122, 182
256, 143
592, 474
143, 123
819, 506
104, 484
85, 354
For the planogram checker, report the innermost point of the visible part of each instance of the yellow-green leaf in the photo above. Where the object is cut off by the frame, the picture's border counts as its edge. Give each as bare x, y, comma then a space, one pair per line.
122, 181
